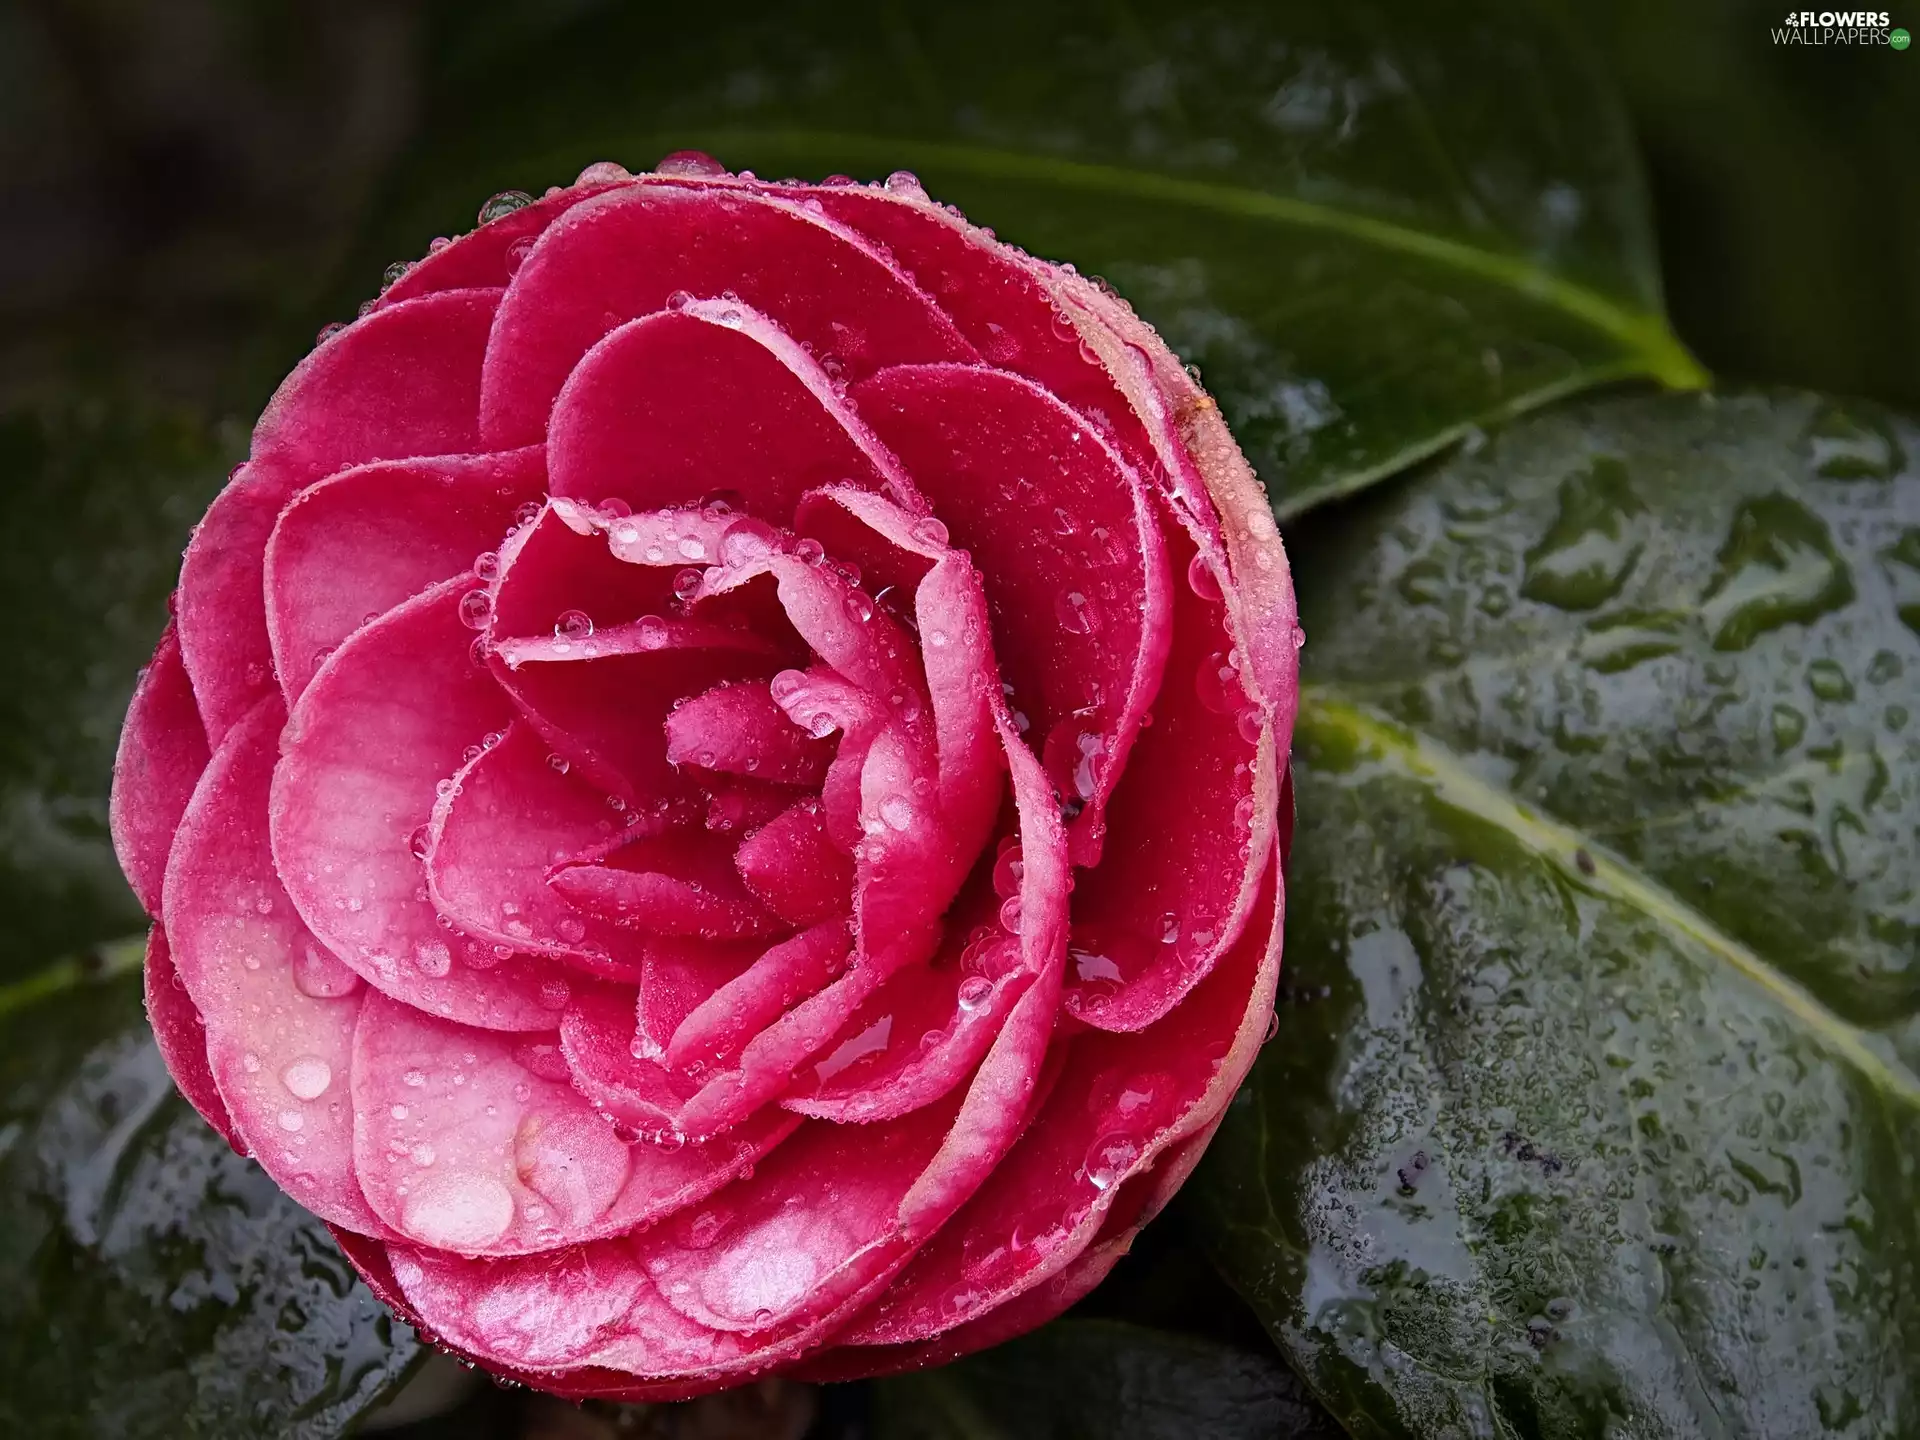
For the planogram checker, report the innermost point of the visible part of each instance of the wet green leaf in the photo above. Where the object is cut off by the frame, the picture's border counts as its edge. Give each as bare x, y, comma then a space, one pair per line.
1373, 227
96, 496
152, 1282
1594, 1107
1102, 1380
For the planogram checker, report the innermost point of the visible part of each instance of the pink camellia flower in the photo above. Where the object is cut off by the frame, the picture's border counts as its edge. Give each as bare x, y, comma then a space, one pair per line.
713, 802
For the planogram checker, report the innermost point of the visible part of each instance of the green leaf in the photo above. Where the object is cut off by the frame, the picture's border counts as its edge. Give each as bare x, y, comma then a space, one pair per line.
1101, 1380
152, 1282
96, 496
1375, 227
1593, 1108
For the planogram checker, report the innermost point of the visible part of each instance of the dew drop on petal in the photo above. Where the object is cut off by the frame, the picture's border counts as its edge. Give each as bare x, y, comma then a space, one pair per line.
307, 1078
1109, 1158
1201, 579
452, 1211
476, 609
975, 991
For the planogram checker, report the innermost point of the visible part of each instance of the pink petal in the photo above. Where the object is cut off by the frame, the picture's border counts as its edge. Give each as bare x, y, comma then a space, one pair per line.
460, 1147
564, 563
622, 255
163, 750
741, 806
600, 1040
1213, 490
182, 1036
794, 867
820, 702
911, 1042
279, 1054
681, 976
815, 1225
994, 300
587, 1323
681, 883
383, 722
601, 702
488, 255
399, 383
510, 815
740, 730
956, 650
1198, 809
722, 1021
1082, 584
358, 543
1124, 1105
675, 406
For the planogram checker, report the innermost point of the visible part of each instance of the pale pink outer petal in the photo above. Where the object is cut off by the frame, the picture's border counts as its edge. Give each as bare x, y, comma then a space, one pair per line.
163, 750
358, 543
622, 255
385, 720
403, 382
460, 1146
181, 1033
279, 1055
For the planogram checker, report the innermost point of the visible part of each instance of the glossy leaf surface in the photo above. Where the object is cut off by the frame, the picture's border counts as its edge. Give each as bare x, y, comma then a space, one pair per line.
1593, 1107
1373, 228
152, 1282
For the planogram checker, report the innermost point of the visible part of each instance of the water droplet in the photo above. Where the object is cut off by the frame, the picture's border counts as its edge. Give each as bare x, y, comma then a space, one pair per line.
1592, 544
1201, 579
690, 162
1217, 682
1850, 446
1078, 612
486, 565
555, 992
307, 1078
1777, 567
573, 625
897, 811
1109, 1158
747, 540
292, 1121
517, 253
433, 958
686, 583
476, 609
414, 1079
1828, 681
394, 273
1628, 638
1008, 871
906, 183
1788, 726
559, 764
809, 551
929, 531
452, 1210
504, 204
975, 992
1010, 916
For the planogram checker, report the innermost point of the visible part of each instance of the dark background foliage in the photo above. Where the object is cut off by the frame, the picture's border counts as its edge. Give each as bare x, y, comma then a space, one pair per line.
192, 188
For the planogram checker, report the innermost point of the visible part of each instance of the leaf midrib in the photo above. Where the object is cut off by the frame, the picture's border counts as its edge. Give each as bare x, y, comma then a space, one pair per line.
1643, 332
1448, 779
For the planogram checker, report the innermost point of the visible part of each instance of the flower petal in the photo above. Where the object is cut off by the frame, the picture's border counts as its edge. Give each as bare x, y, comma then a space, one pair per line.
793, 866
383, 722
163, 750
510, 815
279, 1054
402, 382
621, 255
739, 729
1122, 1103
729, 1015
460, 1146
181, 1033
1081, 588
358, 543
